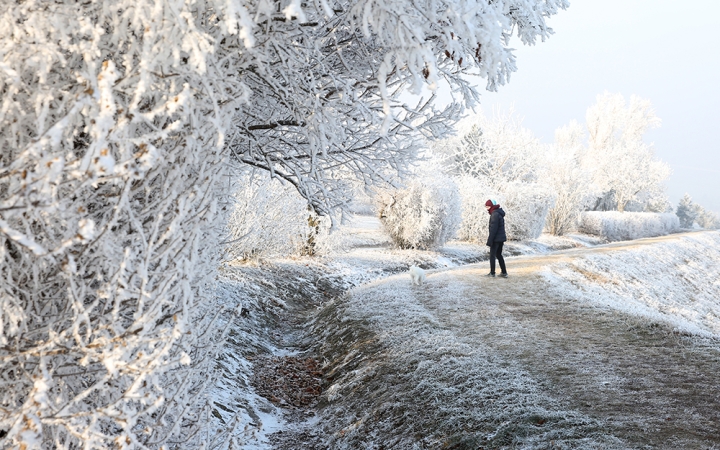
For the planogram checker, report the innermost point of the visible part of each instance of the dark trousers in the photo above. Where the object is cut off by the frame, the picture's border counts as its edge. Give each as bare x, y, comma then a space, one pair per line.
496, 252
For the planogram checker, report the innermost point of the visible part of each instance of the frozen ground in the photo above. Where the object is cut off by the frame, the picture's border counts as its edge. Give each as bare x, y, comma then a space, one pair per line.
613, 346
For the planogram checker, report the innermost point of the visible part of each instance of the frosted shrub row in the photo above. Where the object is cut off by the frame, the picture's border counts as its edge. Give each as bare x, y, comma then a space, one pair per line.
620, 226
427, 214
272, 219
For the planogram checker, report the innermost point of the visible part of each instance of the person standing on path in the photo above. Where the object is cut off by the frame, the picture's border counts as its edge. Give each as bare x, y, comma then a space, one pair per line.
496, 237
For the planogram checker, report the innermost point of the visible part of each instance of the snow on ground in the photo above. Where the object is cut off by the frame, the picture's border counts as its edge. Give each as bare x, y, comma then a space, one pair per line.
468, 362
364, 252
402, 377
672, 280
266, 291
385, 349
240, 417
269, 298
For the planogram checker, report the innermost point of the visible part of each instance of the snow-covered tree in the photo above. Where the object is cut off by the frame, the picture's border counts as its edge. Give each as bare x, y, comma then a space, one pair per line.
328, 104
691, 213
496, 150
117, 121
566, 177
111, 174
708, 219
687, 211
624, 167
500, 157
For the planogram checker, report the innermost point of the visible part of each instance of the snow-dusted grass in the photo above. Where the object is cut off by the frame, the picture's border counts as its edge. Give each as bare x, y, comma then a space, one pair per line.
675, 281
414, 367
239, 415
265, 297
261, 293
399, 375
401, 378
621, 226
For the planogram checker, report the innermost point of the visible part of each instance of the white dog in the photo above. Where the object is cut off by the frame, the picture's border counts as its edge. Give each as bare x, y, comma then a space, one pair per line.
417, 275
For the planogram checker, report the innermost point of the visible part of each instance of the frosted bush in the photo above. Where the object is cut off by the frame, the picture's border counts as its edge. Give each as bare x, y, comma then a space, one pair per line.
271, 218
659, 204
473, 195
496, 150
526, 207
708, 220
690, 213
687, 211
424, 215
620, 226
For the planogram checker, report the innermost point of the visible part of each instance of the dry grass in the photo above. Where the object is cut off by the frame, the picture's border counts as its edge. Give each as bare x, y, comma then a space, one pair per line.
288, 381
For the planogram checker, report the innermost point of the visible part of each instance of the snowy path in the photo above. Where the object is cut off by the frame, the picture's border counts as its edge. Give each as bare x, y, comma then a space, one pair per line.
520, 362
654, 387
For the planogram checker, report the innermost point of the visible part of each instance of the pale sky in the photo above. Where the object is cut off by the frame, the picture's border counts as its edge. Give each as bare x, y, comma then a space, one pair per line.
667, 51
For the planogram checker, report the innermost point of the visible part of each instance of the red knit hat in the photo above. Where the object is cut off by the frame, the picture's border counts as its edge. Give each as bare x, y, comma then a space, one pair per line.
493, 205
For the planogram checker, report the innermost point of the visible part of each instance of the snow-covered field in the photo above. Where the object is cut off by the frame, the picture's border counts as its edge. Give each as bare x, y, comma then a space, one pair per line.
469, 362
674, 280
450, 364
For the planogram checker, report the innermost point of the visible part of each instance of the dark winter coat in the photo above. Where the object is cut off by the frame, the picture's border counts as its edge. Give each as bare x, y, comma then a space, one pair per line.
497, 227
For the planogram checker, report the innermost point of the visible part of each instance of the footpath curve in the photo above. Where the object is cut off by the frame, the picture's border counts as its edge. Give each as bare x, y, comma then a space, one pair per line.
653, 386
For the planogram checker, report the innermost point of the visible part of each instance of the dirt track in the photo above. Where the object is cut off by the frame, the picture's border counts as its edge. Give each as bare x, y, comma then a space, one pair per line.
652, 386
